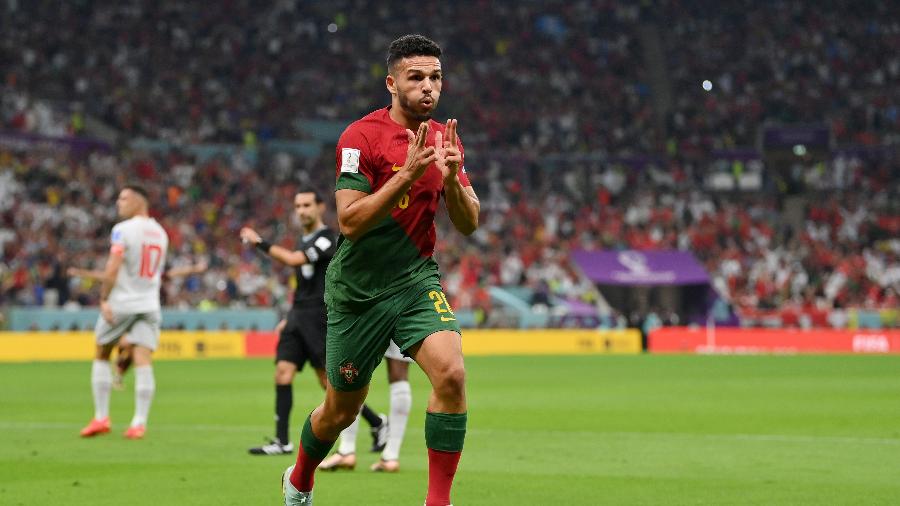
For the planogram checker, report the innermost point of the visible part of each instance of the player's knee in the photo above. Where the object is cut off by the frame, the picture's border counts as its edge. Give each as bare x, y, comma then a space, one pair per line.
339, 418
284, 374
451, 381
345, 418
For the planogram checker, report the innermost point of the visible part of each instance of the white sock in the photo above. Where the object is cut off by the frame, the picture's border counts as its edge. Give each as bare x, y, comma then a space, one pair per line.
101, 385
144, 388
348, 438
401, 402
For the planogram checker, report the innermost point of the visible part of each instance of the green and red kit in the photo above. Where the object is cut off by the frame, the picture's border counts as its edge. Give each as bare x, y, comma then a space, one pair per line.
384, 285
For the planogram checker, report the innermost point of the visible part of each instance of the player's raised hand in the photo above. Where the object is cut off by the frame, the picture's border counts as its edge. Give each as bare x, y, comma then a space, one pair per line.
418, 156
249, 236
449, 156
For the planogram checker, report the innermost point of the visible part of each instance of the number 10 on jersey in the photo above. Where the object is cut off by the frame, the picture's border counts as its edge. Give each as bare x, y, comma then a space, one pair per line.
151, 254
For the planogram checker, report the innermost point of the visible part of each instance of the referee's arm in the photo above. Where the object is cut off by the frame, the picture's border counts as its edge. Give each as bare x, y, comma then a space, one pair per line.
283, 255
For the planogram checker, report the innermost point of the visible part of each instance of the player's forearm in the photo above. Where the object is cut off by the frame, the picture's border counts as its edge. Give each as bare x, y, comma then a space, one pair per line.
462, 206
105, 289
110, 272
88, 273
286, 256
359, 216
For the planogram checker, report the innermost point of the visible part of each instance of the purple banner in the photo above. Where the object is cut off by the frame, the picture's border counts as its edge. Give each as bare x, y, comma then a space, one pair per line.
644, 268
812, 136
18, 141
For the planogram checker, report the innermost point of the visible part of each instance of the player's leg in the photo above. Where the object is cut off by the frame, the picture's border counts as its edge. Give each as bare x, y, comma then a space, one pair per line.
321, 377
378, 427
355, 345
145, 339
440, 356
144, 390
101, 387
401, 402
319, 433
345, 457
429, 332
106, 334
288, 360
123, 362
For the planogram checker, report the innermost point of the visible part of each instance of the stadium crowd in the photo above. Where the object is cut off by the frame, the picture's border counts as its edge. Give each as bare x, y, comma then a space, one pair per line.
552, 80
57, 213
185, 73
781, 62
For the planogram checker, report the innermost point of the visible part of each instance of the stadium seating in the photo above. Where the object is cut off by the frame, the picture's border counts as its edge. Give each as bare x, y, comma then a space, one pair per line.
591, 128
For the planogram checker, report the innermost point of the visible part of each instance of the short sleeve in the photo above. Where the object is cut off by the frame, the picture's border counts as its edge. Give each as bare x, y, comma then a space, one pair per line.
353, 163
321, 250
117, 240
463, 176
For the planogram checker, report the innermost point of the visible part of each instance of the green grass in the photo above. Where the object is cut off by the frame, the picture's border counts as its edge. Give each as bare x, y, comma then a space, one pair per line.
542, 430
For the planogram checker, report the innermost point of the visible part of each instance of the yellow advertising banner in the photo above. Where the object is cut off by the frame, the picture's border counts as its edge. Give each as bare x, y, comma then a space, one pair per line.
551, 342
50, 346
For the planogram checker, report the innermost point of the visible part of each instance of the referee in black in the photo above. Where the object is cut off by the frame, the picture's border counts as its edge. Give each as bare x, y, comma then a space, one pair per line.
301, 336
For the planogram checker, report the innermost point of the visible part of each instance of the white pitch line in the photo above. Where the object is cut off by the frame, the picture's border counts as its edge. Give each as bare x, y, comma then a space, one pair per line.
797, 438
782, 438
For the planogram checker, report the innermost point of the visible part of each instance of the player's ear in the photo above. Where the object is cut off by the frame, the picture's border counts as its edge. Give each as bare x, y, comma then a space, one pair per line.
390, 83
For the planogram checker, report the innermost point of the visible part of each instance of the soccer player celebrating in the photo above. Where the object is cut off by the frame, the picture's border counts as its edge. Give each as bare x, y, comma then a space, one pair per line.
393, 166
129, 303
301, 337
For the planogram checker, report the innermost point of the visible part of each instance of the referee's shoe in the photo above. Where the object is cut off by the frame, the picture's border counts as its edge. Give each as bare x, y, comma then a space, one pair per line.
273, 448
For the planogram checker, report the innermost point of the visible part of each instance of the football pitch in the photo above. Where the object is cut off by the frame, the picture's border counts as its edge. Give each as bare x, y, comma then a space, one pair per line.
584, 430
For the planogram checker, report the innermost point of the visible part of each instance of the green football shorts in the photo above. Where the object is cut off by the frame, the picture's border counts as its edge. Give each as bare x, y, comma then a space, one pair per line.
355, 342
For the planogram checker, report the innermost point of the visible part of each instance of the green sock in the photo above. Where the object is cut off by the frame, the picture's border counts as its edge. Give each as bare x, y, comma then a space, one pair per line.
314, 447
445, 431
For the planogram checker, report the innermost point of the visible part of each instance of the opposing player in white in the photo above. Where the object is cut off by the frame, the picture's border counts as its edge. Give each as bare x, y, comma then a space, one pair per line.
401, 402
129, 303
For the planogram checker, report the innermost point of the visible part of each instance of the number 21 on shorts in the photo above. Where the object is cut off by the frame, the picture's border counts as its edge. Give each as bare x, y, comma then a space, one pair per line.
441, 305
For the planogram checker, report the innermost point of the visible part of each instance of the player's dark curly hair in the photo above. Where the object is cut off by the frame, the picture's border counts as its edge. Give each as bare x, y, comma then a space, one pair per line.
411, 45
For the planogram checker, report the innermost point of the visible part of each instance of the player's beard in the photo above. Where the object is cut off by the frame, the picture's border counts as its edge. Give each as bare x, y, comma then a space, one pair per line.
411, 108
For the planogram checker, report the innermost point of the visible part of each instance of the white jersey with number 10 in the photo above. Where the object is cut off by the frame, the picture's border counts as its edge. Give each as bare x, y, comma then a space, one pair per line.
143, 243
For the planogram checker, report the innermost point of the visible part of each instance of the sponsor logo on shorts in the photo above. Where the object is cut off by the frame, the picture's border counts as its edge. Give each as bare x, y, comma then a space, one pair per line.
349, 372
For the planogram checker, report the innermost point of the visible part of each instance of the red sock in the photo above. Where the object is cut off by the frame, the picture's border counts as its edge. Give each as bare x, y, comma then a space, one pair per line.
304, 471
441, 469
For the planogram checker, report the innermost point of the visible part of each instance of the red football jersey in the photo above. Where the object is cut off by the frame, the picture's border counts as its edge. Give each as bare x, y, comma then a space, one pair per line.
371, 150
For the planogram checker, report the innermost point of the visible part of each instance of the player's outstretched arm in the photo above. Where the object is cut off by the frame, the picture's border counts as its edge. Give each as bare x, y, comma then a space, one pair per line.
283, 255
359, 211
187, 270
462, 203
86, 273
